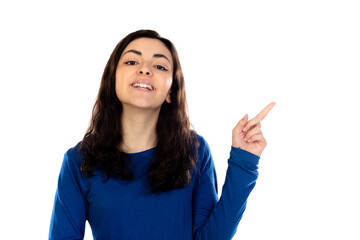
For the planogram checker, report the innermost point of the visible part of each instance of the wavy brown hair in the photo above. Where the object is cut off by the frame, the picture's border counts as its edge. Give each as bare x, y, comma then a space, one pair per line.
176, 145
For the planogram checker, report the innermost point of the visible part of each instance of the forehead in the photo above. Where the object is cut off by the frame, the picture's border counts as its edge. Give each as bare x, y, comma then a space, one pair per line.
149, 46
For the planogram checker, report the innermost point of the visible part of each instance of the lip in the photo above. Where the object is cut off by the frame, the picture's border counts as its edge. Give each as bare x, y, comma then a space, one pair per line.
145, 82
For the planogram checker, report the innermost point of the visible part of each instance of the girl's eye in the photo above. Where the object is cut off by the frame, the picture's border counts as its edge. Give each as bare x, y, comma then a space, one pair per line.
160, 67
130, 62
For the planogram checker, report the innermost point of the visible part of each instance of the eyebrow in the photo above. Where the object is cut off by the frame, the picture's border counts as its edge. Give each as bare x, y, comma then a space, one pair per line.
156, 55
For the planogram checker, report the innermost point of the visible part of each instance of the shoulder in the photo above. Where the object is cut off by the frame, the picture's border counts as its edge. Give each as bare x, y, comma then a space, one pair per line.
71, 173
73, 157
204, 153
203, 148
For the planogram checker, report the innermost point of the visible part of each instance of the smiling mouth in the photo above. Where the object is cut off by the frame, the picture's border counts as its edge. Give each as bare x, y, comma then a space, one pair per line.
143, 86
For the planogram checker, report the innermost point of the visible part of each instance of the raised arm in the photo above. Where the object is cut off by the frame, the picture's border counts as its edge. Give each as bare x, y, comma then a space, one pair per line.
217, 220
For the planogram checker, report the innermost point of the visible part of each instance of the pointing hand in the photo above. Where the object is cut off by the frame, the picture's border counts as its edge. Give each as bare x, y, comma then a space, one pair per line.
247, 135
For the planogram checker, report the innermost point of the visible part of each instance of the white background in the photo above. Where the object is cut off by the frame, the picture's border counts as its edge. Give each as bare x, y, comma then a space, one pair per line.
236, 58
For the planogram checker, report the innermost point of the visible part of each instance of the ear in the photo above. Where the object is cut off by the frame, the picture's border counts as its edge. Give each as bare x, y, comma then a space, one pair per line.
167, 99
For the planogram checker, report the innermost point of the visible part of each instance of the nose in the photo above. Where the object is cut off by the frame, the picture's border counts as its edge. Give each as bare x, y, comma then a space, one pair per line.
144, 69
141, 72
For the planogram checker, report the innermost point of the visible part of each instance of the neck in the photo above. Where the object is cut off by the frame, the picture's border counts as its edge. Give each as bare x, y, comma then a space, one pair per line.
138, 129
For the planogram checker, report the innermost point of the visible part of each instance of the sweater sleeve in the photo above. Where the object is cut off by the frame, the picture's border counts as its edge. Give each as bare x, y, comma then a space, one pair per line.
215, 219
70, 208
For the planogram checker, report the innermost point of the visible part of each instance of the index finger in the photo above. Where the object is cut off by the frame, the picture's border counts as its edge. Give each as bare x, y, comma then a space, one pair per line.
265, 111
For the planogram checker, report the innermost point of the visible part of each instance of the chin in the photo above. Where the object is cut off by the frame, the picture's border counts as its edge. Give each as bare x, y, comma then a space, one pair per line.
145, 106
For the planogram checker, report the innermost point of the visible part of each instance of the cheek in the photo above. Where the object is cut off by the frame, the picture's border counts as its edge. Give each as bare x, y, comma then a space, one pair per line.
119, 84
119, 79
169, 82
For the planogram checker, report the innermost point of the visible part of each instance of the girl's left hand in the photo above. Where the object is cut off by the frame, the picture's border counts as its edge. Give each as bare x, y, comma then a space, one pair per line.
247, 135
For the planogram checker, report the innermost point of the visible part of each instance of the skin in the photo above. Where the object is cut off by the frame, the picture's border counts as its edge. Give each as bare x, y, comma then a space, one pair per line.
132, 67
140, 108
247, 134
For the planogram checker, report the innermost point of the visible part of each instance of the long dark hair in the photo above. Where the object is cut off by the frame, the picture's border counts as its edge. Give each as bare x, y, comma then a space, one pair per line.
176, 146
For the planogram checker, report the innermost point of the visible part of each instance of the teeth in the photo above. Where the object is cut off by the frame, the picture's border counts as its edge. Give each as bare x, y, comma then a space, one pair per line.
143, 85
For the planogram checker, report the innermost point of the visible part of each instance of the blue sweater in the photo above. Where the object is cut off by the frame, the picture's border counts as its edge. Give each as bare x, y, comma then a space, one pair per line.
118, 209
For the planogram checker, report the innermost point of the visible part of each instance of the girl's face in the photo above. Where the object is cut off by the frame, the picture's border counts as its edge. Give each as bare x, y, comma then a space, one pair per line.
144, 74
